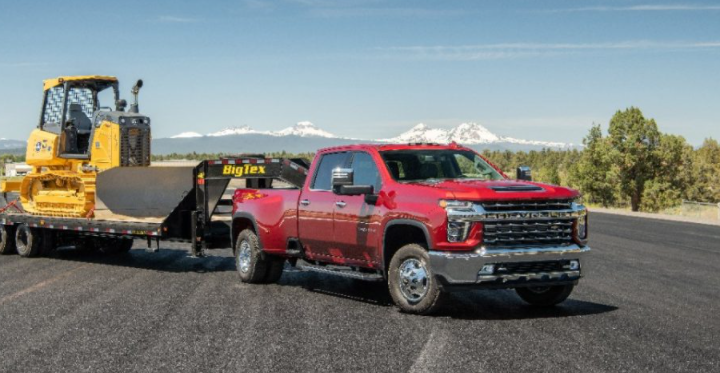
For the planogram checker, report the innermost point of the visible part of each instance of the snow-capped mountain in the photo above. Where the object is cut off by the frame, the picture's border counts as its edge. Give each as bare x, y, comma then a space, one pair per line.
186, 135
466, 134
304, 129
244, 130
306, 137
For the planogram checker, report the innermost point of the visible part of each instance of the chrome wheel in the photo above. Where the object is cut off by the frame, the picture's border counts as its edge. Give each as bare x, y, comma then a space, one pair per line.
414, 279
244, 257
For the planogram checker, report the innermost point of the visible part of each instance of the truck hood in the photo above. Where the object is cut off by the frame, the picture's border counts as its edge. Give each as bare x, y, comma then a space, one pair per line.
473, 190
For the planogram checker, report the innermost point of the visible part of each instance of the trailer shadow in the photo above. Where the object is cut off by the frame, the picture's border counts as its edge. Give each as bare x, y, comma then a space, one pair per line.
165, 260
470, 305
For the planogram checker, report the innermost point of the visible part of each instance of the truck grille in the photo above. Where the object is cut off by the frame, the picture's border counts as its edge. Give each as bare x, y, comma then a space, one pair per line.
134, 147
528, 232
546, 205
511, 231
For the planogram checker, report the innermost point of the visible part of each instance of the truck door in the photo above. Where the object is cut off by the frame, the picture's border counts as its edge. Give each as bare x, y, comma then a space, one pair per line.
317, 205
357, 223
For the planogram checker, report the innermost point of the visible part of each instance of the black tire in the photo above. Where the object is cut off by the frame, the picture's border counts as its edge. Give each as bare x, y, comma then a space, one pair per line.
7, 240
545, 296
28, 241
421, 297
275, 269
251, 263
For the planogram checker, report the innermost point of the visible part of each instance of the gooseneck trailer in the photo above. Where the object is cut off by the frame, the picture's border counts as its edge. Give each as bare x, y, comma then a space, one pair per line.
182, 204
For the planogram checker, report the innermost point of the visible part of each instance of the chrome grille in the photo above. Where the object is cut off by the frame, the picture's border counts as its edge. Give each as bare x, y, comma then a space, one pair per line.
528, 232
528, 205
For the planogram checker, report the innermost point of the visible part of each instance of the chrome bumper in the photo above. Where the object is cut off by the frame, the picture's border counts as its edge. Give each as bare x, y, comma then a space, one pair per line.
463, 268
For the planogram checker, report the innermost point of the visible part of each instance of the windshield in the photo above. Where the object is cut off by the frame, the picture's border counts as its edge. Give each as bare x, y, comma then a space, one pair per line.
433, 165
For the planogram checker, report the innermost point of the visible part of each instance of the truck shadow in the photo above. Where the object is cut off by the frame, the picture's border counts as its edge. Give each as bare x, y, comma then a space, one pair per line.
470, 305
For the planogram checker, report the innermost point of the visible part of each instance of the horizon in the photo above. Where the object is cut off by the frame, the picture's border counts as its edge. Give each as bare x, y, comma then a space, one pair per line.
373, 69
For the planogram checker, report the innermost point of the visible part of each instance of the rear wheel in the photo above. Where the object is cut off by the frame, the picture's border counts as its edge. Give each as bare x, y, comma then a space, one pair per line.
545, 296
28, 241
7, 239
252, 264
412, 283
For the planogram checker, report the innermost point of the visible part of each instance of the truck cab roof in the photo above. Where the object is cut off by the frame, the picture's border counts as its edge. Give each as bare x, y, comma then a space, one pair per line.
391, 146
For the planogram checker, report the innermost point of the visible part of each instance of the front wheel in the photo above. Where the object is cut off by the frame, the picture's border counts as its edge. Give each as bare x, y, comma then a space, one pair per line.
545, 296
412, 283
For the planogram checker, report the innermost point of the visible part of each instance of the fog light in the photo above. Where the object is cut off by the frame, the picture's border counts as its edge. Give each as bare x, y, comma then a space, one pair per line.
574, 265
457, 231
487, 269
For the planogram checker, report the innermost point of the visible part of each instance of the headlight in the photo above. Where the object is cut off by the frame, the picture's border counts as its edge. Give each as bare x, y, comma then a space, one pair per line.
457, 230
448, 204
582, 226
579, 200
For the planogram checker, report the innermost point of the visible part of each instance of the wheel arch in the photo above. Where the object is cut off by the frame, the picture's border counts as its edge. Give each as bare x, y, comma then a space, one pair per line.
400, 232
242, 221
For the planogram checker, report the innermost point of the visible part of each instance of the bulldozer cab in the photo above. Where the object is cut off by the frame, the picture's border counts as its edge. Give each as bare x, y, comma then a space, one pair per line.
69, 108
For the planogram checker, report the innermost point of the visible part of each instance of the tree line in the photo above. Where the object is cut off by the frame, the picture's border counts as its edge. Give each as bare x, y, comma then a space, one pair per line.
633, 165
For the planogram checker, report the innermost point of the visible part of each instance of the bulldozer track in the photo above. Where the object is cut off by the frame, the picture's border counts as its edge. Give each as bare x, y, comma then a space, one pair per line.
72, 196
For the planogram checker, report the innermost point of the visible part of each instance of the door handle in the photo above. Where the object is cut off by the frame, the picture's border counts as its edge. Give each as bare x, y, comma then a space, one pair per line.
305, 202
340, 204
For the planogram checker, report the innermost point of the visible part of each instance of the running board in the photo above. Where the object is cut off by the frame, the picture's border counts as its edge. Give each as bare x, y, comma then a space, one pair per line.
340, 271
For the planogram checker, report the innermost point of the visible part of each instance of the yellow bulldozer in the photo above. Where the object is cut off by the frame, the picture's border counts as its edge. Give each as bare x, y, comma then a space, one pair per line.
76, 139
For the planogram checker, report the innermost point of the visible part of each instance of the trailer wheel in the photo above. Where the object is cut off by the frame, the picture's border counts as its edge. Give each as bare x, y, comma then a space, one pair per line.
411, 282
251, 263
545, 296
7, 239
28, 241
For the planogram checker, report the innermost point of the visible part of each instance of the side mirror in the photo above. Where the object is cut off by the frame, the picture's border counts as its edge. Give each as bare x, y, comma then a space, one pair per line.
342, 183
524, 173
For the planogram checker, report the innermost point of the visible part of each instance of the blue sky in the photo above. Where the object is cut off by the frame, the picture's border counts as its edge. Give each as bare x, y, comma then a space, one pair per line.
374, 68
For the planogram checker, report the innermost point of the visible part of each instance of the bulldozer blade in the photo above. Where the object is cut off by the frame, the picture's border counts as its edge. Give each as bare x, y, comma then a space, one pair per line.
142, 192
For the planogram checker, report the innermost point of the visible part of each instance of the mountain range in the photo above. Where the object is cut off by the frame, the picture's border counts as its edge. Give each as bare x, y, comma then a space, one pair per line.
306, 137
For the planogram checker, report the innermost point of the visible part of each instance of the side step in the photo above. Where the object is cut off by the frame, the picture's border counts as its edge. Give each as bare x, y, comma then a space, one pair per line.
339, 271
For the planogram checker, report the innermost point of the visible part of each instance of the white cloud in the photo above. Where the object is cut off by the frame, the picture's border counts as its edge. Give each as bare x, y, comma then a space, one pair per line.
520, 50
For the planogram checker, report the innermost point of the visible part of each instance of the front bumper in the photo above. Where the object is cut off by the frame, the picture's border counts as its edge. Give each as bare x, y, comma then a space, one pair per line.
462, 269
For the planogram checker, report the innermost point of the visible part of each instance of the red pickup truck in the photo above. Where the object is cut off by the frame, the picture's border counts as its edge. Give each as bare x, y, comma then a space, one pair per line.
426, 218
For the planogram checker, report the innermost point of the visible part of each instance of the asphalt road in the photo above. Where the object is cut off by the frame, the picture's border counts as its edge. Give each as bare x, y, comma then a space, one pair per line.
649, 303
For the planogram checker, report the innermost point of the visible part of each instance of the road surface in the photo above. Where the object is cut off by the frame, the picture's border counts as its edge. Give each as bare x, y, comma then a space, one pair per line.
649, 302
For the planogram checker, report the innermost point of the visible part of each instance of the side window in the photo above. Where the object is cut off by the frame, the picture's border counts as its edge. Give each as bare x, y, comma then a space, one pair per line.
366, 171
82, 98
52, 112
323, 175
